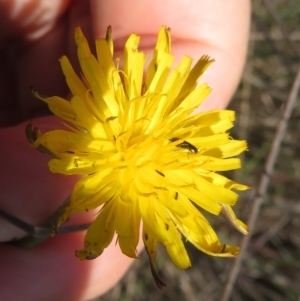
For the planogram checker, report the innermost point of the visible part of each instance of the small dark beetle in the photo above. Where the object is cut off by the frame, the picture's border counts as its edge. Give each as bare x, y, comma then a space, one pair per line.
186, 145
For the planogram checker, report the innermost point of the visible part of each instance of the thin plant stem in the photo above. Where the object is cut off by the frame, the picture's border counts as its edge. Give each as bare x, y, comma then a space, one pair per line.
263, 185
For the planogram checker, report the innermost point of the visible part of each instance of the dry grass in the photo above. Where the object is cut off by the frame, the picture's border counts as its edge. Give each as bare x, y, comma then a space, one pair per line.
271, 266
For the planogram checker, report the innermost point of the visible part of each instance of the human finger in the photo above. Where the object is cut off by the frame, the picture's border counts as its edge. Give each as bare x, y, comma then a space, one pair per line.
215, 28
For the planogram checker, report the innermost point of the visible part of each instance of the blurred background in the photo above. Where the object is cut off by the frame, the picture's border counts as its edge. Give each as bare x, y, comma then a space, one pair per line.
271, 269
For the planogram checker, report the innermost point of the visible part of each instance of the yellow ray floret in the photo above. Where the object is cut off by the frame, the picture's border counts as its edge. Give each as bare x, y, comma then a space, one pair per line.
145, 158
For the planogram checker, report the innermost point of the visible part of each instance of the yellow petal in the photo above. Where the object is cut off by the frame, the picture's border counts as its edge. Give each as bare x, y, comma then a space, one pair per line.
75, 84
133, 67
199, 232
129, 238
100, 233
109, 40
229, 215
196, 72
95, 127
163, 46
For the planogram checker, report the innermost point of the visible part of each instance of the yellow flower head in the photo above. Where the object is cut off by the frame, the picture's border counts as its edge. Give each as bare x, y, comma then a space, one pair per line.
145, 157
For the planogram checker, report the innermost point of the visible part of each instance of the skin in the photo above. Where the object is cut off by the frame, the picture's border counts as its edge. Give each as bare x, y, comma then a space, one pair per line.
33, 35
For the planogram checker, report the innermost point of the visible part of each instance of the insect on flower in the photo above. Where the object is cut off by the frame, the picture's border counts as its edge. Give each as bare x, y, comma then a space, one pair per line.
120, 133
186, 145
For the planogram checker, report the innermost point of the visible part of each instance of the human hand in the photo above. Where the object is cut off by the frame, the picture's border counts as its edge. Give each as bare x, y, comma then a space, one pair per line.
36, 36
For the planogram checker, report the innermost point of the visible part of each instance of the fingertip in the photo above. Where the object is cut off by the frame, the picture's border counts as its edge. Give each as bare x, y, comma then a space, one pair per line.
198, 28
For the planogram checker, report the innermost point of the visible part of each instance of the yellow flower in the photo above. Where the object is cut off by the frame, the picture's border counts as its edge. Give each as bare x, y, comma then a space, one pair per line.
144, 155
